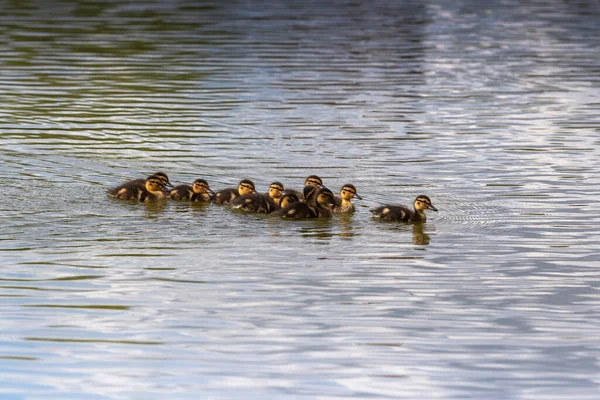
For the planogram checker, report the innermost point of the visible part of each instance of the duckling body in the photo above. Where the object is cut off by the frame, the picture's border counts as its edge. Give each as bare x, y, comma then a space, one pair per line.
403, 213
343, 203
152, 190
198, 191
252, 203
225, 196
302, 210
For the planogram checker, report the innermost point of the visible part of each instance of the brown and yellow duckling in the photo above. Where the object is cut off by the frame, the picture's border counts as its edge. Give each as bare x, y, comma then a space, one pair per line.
225, 196
274, 194
403, 213
153, 190
343, 204
141, 183
287, 200
198, 191
324, 201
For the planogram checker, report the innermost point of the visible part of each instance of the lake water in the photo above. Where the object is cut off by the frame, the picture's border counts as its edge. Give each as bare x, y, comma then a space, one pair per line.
491, 109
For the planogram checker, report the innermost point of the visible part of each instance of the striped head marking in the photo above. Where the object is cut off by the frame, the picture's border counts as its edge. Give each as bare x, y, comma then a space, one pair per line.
325, 197
348, 192
246, 187
313, 180
201, 186
288, 199
154, 184
423, 203
164, 179
275, 190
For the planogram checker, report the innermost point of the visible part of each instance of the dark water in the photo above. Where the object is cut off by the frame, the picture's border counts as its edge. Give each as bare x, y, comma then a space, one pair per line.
493, 110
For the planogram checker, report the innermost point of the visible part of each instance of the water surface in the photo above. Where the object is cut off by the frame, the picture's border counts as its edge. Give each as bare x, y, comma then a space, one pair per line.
492, 110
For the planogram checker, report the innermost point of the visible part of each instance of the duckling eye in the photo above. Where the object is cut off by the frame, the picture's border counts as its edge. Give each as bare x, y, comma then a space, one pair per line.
247, 187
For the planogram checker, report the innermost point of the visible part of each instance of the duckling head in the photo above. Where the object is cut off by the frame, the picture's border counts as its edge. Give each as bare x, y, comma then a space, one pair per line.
155, 184
313, 180
325, 197
164, 178
423, 203
200, 186
246, 187
275, 190
287, 199
348, 192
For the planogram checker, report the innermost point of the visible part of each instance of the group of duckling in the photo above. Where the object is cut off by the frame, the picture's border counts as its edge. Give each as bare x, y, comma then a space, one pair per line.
314, 201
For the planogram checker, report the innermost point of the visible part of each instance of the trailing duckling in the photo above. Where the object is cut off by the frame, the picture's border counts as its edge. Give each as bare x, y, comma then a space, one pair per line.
403, 213
198, 191
141, 183
153, 190
324, 201
343, 204
225, 196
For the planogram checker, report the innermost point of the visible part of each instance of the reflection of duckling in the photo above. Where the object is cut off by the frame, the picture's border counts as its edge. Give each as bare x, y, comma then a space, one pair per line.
405, 214
225, 196
153, 190
254, 202
141, 183
199, 191
324, 200
273, 196
343, 204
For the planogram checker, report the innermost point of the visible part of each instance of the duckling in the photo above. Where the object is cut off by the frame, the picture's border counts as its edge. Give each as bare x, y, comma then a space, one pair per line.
343, 204
405, 214
154, 189
273, 196
286, 200
302, 210
225, 196
141, 183
199, 191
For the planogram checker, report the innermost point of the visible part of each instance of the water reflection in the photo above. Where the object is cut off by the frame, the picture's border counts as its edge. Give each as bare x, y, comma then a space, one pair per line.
419, 235
347, 229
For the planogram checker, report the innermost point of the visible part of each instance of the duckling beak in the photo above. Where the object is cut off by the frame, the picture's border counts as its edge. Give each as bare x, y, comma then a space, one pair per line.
431, 207
210, 191
358, 196
169, 185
